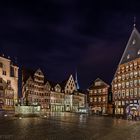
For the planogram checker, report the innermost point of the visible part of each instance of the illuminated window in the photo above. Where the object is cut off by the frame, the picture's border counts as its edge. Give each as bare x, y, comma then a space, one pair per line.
123, 103
135, 82
131, 92
119, 102
119, 77
123, 84
135, 91
131, 74
134, 42
135, 73
123, 77
98, 83
122, 111
119, 85
95, 91
90, 92
128, 56
119, 94
99, 99
104, 99
138, 52
127, 92
104, 90
123, 93
95, 99
127, 76
99, 90
131, 83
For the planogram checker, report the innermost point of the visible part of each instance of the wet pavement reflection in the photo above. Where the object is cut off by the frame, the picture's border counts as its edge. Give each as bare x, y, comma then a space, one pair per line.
67, 126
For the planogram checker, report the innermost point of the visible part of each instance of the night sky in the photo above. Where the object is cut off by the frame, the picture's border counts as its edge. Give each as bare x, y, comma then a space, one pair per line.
60, 36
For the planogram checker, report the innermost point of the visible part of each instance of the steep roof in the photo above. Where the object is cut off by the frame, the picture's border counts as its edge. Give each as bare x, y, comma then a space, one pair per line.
101, 85
132, 47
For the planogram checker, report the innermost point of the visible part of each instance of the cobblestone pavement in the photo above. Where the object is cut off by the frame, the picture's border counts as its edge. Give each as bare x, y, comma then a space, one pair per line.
68, 127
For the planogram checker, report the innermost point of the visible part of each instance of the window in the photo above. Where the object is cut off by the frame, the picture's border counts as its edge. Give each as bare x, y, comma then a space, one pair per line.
123, 93
95, 91
123, 85
123, 103
8, 82
91, 99
138, 52
99, 90
119, 102
1, 65
135, 82
135, 73
134, 42
104, 90
95, 99
104, 99
128, 56
131, 92
0, 80
99, 99
98, 83
119, 85
127, 76
1, 87
131, 75
123, 77
119, 94
4, 72
135, 91
127, 92
131, 83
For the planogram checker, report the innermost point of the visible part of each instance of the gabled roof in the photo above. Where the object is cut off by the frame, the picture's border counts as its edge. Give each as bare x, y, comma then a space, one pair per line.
102, 84
132, 47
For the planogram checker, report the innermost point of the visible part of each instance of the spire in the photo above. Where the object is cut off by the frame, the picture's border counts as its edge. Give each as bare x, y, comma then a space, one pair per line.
76, 80
134, 25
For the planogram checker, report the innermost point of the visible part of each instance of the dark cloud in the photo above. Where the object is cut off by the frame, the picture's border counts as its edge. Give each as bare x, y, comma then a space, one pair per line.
60, 36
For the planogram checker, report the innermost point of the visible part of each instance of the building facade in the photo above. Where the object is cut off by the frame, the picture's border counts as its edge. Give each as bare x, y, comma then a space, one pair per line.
8, 84
68, 87
126, 81
98, 97
34, 89
51, 96
57, 98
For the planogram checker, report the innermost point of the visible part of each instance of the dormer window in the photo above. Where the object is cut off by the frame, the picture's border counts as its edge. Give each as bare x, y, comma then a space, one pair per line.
138, 52
128, 56
134, 42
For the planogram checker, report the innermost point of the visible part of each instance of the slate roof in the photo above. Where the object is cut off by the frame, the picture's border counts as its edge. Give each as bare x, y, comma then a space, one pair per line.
132, 47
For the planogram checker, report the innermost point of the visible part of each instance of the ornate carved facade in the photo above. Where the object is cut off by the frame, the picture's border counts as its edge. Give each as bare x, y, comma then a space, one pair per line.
98, 96
126, 82
35, 90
